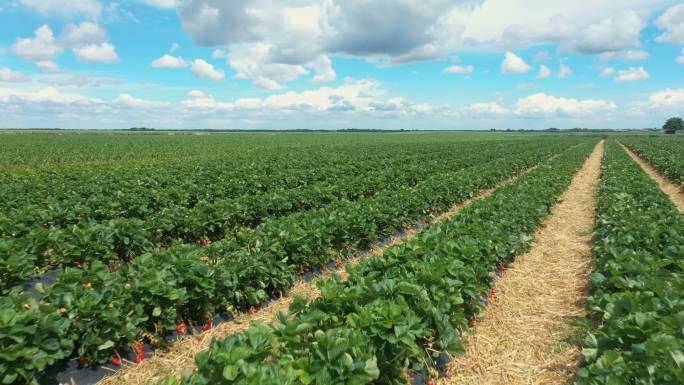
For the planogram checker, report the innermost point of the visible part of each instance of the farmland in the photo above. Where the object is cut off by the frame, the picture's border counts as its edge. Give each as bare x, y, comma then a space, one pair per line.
116, 244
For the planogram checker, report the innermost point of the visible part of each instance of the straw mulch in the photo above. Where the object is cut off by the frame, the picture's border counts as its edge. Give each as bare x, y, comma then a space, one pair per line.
524, 336
181, 355
672, 189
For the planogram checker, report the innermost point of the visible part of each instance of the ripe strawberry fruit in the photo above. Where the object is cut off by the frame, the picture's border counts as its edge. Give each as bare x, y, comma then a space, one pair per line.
182, 328
82, 361
431, 382
208, 325
116, 361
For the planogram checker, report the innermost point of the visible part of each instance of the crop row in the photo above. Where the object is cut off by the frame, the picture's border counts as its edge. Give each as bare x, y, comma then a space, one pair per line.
98, 311
125, 238
637, 295
665, 154
397, 312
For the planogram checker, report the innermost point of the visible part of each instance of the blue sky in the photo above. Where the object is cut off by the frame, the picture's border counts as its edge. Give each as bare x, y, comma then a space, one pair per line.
330, 64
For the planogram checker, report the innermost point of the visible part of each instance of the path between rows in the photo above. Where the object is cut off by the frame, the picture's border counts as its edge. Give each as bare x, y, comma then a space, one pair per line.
181, 355
673, 190
523, 338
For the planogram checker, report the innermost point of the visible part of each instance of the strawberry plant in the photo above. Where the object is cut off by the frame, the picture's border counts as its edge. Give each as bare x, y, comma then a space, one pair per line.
33, 336
636, 301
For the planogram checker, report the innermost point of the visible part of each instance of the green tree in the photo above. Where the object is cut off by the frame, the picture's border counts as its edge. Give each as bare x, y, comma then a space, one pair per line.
673, 125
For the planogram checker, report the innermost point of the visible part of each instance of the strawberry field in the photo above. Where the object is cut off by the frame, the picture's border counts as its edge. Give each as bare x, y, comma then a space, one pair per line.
115, 244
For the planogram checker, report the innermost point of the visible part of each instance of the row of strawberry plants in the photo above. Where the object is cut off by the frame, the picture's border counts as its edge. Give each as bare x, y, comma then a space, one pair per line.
637, 294
397, 312
109, 310
68, 196
125, 238
665, 154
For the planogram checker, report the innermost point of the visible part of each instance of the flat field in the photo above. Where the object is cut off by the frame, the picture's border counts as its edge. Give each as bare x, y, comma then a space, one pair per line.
150, 254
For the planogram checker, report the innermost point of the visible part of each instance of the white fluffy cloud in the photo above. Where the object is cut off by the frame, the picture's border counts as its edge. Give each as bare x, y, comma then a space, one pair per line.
10, 75
103, 53
670, 97
92, 8
615, 33
87, 40
459, 69
544, 72
543, 105
259, 35
672, 21
42, 47
632, 74
78, 35
168, 61
513, 64
202, 69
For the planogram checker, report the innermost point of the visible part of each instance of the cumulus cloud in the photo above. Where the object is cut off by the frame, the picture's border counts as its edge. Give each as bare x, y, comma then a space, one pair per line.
168, 61
632, 74
543, 105
10, 75
257, 36
77, 35
513, 64
42, 47
544, 72
87, 40
459, 69
669, 97
103, 53
672, 21
629, 55
614, 33
202, 69
91, 8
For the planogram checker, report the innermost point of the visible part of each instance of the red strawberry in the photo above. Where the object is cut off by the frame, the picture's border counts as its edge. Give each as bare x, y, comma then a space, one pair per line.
139, 347
116, 361
78, 264
82, 361
338, 263
139, 357
182, 328
431, 382
208, 325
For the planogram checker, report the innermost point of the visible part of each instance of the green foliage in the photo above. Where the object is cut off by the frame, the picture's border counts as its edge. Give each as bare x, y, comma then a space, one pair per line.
665, 154
674, 124
33, 336
638, 285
